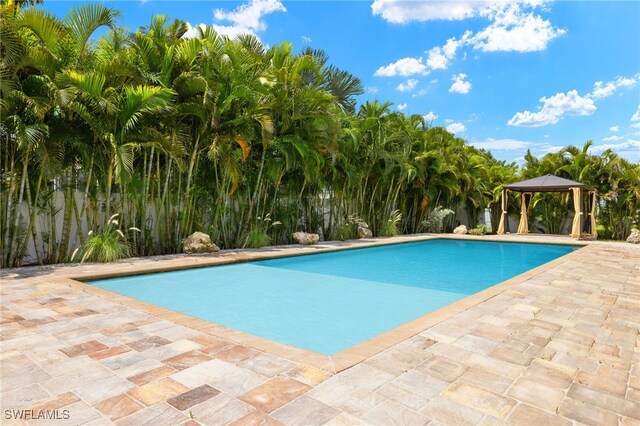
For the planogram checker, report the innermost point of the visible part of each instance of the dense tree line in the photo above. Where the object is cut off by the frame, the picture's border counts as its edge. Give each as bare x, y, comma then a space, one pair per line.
248, 144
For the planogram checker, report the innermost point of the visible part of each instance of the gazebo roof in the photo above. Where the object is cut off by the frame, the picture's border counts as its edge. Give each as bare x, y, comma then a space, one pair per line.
546, 183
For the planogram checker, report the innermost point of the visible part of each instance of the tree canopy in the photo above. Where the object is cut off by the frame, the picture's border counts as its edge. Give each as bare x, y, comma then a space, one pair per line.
228, 137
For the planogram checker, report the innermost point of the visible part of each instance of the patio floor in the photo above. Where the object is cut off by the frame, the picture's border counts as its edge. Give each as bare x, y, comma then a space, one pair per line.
559, 345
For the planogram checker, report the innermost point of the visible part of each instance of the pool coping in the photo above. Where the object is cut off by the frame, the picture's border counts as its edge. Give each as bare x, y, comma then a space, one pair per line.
330, 363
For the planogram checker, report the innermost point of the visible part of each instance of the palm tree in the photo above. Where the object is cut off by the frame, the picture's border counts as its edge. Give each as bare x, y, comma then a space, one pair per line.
214, 134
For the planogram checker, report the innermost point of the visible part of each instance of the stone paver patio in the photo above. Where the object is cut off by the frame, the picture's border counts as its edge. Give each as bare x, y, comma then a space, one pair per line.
560, 345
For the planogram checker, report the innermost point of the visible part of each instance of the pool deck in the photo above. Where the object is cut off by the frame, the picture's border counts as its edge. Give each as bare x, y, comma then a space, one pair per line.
559, 344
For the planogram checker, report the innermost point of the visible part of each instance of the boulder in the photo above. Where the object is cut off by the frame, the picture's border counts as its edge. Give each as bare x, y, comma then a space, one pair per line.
305, 238
362, 224
460, 230
634, 237
364, 232
199, 242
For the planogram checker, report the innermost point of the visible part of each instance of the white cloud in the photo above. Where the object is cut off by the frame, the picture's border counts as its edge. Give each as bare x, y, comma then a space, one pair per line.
402, 11
612, 138
571, 103
459, 84
408, 85
513, 27
192, 31
420, 93
550, 148
372, 90
430, 116
403, 67
604, 90
630, 149
232, 31
635, 125
553, 108
306, 39
247, 18
514, 30
456, 128
502, 144
439, 58
402, 107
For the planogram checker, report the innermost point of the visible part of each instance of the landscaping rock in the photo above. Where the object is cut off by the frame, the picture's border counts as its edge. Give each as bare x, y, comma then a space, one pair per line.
305, 238
199, 242
362, 224
634, 237
364, 232
460, 230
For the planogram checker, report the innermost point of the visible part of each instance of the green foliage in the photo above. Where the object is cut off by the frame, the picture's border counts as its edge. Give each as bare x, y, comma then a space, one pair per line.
344, 231
256, 237
390, 228
258, 234
552, 211
346, 228
435, 222
107, 245
479, 230
212, 133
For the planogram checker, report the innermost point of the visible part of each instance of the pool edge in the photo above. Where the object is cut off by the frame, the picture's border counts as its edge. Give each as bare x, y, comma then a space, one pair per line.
330, 363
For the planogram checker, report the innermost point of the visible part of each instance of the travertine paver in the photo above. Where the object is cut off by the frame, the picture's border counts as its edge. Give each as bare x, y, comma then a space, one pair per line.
274, 394
559, 347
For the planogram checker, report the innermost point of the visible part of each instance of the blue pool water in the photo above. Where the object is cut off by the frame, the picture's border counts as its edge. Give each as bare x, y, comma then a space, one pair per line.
330, 301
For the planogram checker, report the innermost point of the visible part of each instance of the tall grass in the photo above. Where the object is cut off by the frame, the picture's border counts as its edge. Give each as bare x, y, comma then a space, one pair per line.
106, 245
390, 227
258, 235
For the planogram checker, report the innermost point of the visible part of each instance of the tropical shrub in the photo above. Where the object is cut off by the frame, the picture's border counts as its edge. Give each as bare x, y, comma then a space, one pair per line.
258, 235
106, 245
346, 229
435, 222
479, 230
390, 228
552, 211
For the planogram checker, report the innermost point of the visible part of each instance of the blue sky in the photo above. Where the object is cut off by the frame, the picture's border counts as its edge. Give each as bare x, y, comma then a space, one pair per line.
506, 76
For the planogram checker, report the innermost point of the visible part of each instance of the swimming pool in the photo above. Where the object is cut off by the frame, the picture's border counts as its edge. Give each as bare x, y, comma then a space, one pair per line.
328, 302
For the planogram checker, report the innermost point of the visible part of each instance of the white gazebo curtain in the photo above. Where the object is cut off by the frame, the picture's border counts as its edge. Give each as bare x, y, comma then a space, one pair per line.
503, 225
576, 226
523, 226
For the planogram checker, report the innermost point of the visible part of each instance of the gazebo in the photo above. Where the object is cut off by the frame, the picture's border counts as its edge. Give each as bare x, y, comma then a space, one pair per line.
550, 183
